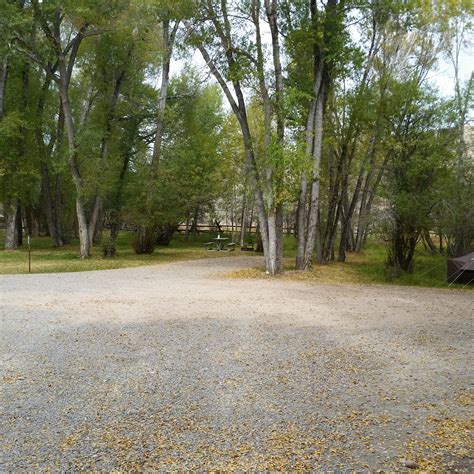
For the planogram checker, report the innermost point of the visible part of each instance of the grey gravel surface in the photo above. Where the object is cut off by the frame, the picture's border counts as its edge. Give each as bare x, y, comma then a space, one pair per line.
173, 368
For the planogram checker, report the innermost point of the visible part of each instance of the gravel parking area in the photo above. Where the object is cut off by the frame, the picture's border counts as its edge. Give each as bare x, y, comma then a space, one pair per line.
172, 368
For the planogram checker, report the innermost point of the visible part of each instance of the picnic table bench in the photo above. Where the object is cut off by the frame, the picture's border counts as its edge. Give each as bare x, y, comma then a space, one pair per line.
219, 244
248, 247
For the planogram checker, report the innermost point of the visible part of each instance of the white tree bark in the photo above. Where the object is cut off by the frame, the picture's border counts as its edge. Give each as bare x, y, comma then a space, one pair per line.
11, 231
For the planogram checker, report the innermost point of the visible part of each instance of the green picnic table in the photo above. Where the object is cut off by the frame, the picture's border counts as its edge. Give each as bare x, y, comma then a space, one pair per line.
219, 243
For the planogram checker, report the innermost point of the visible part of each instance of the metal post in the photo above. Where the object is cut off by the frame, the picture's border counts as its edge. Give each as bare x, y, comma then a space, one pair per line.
29, 255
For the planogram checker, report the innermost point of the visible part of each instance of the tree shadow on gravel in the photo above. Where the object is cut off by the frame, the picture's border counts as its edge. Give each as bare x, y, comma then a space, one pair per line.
220, 393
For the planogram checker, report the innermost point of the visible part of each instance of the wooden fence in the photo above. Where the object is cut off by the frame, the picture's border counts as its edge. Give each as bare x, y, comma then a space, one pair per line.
225, 228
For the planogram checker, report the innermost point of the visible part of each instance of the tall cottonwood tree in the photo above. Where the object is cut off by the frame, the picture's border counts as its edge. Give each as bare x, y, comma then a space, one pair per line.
417, 159
316, 41
50, 35
18, 174
169, 15
232, 59
12, 141
48, 47
113, 69
49, 134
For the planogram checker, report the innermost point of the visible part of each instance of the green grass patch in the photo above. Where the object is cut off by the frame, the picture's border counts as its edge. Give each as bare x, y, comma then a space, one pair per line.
366, 267
47, 259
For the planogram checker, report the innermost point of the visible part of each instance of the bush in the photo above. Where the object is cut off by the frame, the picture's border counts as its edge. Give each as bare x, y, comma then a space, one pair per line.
109, 250
145, 241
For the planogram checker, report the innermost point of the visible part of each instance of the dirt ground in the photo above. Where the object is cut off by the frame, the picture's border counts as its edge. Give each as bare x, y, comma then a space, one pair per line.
172, 367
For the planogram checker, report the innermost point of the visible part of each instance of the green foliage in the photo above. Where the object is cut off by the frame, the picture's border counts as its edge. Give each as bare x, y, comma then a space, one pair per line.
419, 159
18, 152
190, 173
378, 95
325, 31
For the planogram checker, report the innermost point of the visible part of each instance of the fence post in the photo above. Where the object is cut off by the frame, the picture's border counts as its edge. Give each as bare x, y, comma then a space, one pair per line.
29, 255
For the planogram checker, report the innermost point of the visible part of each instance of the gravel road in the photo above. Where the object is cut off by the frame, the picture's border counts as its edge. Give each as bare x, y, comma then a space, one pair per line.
172, 367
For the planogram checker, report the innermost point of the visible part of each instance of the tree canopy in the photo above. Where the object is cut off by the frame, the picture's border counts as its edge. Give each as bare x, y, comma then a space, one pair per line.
315, 118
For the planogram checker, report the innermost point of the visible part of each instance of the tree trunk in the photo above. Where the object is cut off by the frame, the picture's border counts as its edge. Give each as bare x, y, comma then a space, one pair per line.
168, 36
114, 231
430, 246
347, 236
145, 241
97, 237
58, 207
402, 247
258, 240
243, 219
195, 223
279, 237
168, 43
95, 223
308, 219
366, 204
351, 243
315, 185
114, 214
3, 83
11, 228
271, 254
344, 228
270, 218
302, 200
53, 214
76, 177
19, 225
266, 214
165, 234
334, 212
250, 222
96, 211
65, 72
187, 228
271, 9
31, 221
319, 244
362, 218
302, 213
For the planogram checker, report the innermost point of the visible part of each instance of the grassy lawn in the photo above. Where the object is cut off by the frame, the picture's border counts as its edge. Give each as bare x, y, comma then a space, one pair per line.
47, 259
367, 267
